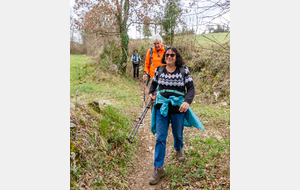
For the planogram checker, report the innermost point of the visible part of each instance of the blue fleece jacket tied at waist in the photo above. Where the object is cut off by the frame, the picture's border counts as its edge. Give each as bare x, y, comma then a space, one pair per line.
190, 117
175, 101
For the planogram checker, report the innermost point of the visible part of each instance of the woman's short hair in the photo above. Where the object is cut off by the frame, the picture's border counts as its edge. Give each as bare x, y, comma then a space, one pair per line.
135, 50
156, 37
179, 59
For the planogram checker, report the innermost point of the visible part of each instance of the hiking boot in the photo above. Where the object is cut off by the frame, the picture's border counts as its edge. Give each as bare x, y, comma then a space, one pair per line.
157, 174
180, 155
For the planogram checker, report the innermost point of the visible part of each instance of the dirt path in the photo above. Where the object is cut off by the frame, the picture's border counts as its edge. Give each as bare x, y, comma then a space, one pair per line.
138, 176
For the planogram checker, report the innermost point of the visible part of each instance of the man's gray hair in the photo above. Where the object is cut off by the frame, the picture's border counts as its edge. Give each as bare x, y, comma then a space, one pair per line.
156, 37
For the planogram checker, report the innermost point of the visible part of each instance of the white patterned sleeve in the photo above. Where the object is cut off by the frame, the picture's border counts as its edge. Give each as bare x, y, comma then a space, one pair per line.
188, 77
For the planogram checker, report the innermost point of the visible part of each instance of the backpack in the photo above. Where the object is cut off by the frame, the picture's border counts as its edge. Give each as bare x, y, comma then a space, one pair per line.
138, 59
181, 69
151, 52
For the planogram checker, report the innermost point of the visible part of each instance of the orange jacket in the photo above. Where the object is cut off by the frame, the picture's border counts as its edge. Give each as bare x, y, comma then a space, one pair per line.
150, 69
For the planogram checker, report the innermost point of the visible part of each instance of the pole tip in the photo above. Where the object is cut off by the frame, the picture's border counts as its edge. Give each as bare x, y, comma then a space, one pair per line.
129, 140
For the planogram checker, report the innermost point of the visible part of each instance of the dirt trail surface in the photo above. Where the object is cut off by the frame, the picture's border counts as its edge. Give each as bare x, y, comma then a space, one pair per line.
138, 176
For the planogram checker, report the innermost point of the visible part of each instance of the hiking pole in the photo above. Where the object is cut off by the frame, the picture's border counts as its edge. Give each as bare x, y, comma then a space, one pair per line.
144, 102
136, 127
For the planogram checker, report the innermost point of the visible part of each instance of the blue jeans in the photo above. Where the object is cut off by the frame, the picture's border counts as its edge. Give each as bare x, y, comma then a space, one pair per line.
162, 126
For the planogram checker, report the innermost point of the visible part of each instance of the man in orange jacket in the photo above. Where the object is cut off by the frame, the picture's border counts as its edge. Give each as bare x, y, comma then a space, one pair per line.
157, 53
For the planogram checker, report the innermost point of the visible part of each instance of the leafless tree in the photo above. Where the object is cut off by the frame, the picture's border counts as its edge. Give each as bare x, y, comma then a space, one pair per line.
107, 18
207, 12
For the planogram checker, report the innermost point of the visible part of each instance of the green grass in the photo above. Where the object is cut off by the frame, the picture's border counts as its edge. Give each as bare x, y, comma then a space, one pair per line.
88, 83
202, 38
102, 139
203, 164
207, 158
219, 37
77, 70
211, 113
113, 153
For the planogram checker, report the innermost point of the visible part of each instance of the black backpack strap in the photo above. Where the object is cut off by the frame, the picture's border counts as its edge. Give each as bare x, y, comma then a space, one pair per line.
160, 70
182, 71
151, 52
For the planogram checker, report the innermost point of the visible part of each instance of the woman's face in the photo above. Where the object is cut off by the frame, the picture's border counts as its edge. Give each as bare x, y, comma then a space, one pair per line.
168, 57
135, 52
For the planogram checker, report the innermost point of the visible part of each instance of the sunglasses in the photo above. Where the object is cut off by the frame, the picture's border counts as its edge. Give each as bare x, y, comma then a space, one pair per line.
172, 55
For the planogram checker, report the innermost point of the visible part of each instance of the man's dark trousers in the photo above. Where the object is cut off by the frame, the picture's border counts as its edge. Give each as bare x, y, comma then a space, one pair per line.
136, 70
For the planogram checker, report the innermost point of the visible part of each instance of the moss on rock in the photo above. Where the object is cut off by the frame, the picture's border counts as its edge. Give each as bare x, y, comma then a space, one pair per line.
95, 106
75, 150
82, 122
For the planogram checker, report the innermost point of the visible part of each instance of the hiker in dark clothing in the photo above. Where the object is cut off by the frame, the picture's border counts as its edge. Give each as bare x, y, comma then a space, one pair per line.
171, 104
136, 63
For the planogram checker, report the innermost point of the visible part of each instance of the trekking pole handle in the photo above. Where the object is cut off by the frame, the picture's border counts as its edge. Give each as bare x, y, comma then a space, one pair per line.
148, 80
148, 77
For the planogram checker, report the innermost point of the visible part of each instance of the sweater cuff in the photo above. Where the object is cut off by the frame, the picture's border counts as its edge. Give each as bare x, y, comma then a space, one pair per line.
188, 101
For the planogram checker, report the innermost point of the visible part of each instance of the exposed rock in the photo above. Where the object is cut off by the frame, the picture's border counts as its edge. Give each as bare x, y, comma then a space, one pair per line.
80, 104
72, 106
104, 102
218, 137
72, 125
73, 163
223, 103
74, 156
207, 166
114, 68
216, 95
98, 105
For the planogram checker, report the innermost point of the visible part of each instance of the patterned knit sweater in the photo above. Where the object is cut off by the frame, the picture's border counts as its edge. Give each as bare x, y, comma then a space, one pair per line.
173, 81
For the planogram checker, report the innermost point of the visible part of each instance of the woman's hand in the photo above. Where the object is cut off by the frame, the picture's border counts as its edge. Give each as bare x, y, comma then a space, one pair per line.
145, 77
184, 107
152, 97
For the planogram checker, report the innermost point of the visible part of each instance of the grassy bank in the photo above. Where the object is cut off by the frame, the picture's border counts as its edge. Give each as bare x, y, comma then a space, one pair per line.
98, 140
207, 164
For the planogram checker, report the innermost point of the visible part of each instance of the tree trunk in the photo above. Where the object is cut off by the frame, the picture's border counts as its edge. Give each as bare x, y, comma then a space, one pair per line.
124, 46
172, 37
124, 37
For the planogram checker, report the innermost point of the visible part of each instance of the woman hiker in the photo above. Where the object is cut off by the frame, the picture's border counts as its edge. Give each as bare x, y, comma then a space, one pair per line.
171, 106
135, 63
